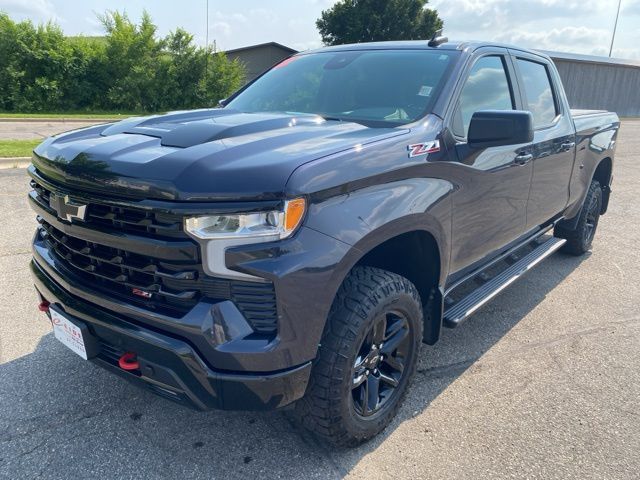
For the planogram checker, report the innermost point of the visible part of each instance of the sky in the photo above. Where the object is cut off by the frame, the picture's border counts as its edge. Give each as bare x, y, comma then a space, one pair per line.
577, 26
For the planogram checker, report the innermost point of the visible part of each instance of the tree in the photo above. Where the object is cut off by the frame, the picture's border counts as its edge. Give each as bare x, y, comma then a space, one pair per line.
355, 21
128, 69
151, 74
34, 64
133, 54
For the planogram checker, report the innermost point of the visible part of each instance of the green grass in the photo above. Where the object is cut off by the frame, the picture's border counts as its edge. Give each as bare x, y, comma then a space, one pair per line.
72, 116
17, 148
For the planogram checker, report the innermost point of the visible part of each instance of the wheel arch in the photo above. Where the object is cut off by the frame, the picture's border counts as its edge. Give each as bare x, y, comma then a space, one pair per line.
418, 254
388, 217
602, 172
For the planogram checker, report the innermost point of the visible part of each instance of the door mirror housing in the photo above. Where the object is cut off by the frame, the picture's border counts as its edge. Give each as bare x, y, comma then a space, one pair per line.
494, 128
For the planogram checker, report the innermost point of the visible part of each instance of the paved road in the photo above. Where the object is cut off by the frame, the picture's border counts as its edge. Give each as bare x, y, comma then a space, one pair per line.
542, 383
40, 129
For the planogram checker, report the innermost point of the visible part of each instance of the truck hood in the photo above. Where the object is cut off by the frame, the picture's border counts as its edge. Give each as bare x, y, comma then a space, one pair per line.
202, 155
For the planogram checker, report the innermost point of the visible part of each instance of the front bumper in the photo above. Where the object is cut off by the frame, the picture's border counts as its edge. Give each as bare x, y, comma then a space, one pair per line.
169, 365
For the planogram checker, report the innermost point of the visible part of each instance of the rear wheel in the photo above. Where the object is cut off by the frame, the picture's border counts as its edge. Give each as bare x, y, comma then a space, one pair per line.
579, 240
366, 360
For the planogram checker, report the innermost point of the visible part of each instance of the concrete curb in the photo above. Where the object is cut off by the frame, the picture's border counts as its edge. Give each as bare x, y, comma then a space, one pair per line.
14, 162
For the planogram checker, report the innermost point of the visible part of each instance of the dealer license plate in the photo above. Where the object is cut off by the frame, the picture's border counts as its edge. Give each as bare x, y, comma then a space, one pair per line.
68, 333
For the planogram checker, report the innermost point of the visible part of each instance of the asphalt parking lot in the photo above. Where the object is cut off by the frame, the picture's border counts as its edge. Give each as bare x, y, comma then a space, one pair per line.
544, 382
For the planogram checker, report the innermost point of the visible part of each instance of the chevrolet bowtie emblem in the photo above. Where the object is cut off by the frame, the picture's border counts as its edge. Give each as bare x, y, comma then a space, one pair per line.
66, 208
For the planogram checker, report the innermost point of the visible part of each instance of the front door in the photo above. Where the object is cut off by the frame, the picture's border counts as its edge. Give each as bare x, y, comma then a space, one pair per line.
489, 208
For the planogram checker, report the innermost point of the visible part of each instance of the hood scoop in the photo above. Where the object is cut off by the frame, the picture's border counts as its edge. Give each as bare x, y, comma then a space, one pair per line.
184, 135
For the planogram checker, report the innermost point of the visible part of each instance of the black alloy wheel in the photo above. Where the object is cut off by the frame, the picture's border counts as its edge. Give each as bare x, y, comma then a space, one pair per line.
580, 237
366, 359
591, 223
380, 363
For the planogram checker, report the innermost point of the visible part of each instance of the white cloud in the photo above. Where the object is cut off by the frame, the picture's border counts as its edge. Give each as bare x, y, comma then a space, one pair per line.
228, 16
630, 7
575, 38
93, 26
38, 11
632, 53
263, 15
237, 17
220, 28
561, 25
297, 23
513, 9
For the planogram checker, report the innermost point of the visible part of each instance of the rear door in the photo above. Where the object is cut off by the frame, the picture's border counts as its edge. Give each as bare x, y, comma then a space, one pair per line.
553, 147
490, 205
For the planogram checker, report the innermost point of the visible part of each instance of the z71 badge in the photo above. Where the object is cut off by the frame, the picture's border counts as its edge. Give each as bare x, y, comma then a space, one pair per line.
418, 149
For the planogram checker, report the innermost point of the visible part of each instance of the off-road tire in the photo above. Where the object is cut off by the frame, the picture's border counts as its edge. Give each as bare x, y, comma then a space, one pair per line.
327, 409
579, 240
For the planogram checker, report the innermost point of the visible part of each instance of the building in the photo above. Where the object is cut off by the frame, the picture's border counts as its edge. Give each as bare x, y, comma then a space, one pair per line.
600, 83
258, 58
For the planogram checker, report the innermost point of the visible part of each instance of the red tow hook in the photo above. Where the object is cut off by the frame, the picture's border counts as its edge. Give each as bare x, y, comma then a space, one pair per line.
44, 306
128, 361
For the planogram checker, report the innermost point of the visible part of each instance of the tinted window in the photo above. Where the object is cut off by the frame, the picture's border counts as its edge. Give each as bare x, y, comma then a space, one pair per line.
388, 86
486, 88
537, 88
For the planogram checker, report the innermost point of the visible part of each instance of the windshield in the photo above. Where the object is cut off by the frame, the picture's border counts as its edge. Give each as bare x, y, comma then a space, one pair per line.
366, 86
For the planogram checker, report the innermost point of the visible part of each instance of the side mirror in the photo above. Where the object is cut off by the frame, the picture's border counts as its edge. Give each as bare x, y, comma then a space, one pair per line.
494, 128
222, 102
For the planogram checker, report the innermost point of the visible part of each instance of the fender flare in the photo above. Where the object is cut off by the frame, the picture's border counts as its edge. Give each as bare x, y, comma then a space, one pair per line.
433, 305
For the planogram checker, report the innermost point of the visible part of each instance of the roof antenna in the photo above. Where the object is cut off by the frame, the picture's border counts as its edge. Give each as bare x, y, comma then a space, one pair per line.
437, 39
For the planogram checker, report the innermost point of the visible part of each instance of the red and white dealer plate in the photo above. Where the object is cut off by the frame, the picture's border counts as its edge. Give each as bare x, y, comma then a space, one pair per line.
68, 333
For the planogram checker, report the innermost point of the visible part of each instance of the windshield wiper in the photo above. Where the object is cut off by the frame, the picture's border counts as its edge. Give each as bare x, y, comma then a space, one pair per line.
341, 119
338, 119
330, 117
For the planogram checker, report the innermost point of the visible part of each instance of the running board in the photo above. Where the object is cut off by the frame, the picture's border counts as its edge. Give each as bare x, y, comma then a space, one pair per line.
468, 305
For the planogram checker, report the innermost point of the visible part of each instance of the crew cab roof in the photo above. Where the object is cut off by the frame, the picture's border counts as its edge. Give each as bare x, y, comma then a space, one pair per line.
468, 46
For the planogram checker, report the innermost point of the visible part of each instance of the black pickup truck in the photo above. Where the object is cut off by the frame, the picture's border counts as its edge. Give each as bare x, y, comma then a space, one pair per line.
296, 245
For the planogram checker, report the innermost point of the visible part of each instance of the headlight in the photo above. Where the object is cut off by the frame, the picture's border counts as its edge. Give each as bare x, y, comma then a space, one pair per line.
273, 225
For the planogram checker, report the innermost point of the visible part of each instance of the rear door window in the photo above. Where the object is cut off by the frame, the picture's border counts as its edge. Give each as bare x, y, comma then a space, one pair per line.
540, 100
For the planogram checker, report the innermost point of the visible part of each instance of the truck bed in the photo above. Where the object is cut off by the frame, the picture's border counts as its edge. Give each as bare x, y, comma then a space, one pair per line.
592, 122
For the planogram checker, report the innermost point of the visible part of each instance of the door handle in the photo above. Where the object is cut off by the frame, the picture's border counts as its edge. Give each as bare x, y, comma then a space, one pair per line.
523, 158
565, 147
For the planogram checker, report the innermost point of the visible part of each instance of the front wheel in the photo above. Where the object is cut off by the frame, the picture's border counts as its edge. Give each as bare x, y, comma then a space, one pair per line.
579, 240
366, 359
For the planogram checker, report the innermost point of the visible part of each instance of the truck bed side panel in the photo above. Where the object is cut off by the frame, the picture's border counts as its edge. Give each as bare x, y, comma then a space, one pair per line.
596, 134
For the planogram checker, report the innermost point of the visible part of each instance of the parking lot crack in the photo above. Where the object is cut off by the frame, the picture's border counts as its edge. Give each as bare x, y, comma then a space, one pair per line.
33, 449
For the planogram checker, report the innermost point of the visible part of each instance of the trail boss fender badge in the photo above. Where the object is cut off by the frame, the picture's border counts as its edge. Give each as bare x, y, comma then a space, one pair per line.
425, 148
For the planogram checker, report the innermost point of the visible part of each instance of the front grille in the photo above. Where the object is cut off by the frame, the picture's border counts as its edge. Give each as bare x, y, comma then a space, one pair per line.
172, 286
175, 288
117, 218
